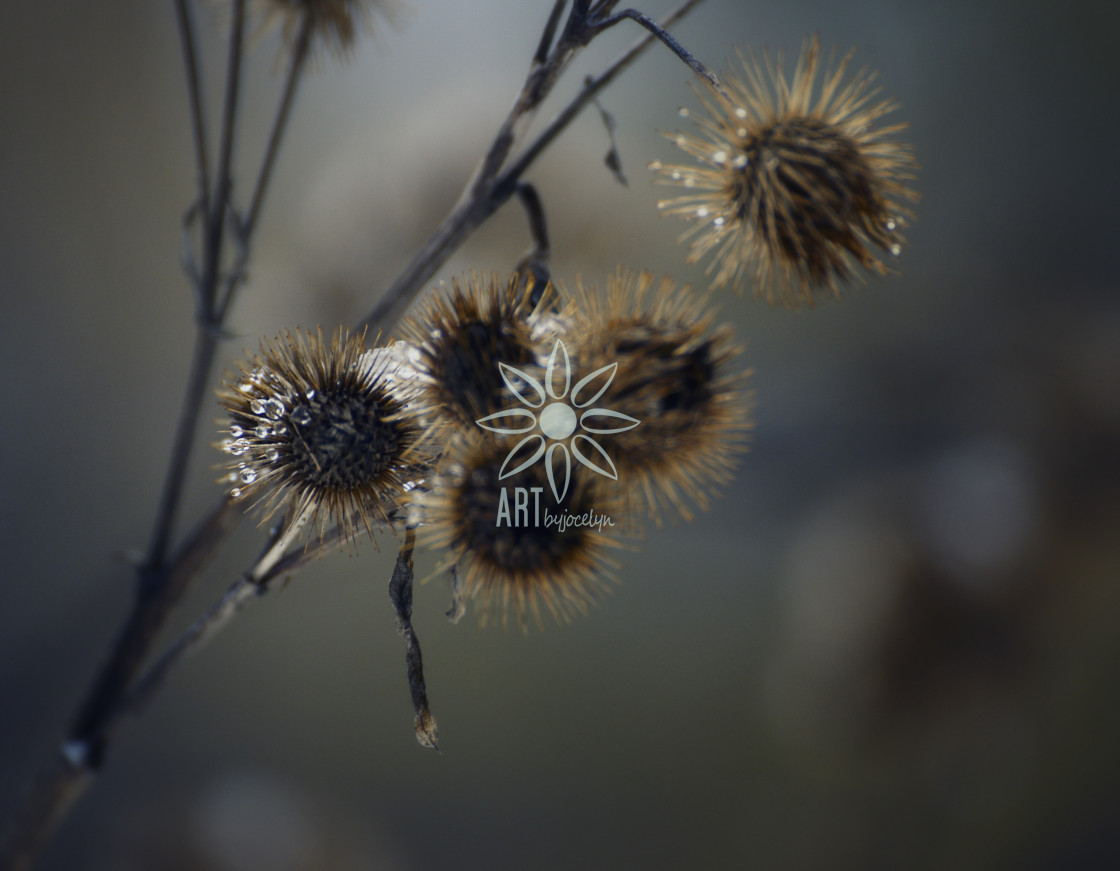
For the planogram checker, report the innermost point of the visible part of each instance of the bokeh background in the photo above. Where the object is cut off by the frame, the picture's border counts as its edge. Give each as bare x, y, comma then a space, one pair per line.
892, 643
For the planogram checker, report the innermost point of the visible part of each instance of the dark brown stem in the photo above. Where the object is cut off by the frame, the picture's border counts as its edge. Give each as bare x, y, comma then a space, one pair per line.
488, 191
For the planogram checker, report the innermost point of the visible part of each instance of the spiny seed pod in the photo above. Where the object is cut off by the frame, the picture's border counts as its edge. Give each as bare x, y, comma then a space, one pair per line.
459, 339
323, 429
514, 547
672, 371
793, 188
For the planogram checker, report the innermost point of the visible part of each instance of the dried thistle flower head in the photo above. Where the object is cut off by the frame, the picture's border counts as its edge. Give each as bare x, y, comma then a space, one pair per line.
333, 22
672, 370
517, 553
459, 339
323, 429
796, 186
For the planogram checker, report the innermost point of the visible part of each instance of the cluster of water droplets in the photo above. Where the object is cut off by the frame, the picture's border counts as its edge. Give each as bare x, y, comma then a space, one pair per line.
257, 442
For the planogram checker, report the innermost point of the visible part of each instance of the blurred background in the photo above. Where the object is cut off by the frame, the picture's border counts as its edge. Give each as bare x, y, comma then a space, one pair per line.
892, 643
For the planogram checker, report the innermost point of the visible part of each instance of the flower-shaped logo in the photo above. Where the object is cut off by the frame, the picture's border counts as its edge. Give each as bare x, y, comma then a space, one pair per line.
558, 409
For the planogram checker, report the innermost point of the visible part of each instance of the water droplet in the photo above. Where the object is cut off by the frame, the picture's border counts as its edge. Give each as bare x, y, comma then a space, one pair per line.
719, 157
235, 493
226, 445
683, 112
248, 475
689, 182
717, 222
238, 447
271, 454
246, 387
741, 132
300, 416
257, 406
739, 162
680, 141
896, 249
311, 394
236, 431
675, 175
701, 212
262, 431
890, 225
275, 409
740, 112
654, 164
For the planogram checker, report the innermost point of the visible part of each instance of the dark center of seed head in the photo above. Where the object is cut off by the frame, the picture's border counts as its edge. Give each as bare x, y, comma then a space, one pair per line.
466, 368
525, 547
824, 179
341, 441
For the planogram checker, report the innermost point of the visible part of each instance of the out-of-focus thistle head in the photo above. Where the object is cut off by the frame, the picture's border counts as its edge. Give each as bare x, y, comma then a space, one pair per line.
458, 339
671, 367
333, 23
324, 429
796, 185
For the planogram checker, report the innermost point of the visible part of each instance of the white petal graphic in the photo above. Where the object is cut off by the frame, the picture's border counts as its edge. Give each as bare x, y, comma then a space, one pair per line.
549, 462
517, 381
537, 454
607, 470
490, 422
606, 374
558, 365
625, 421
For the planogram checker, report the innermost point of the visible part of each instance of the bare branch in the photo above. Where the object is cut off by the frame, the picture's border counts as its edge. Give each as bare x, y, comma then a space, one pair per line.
485, 193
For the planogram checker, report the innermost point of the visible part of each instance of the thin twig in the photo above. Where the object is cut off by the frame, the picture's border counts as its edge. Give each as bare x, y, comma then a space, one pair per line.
205, 339
194, 96
244, 230
661, 33
534, 265
591, 88
300, 53
480, 202
254, 583
549, 33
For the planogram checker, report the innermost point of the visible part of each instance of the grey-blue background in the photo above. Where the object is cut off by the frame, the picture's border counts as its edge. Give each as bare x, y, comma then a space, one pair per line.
891, 644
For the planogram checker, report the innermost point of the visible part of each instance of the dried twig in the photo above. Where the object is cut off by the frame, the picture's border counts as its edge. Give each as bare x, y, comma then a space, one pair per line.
490, 188
400, 593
